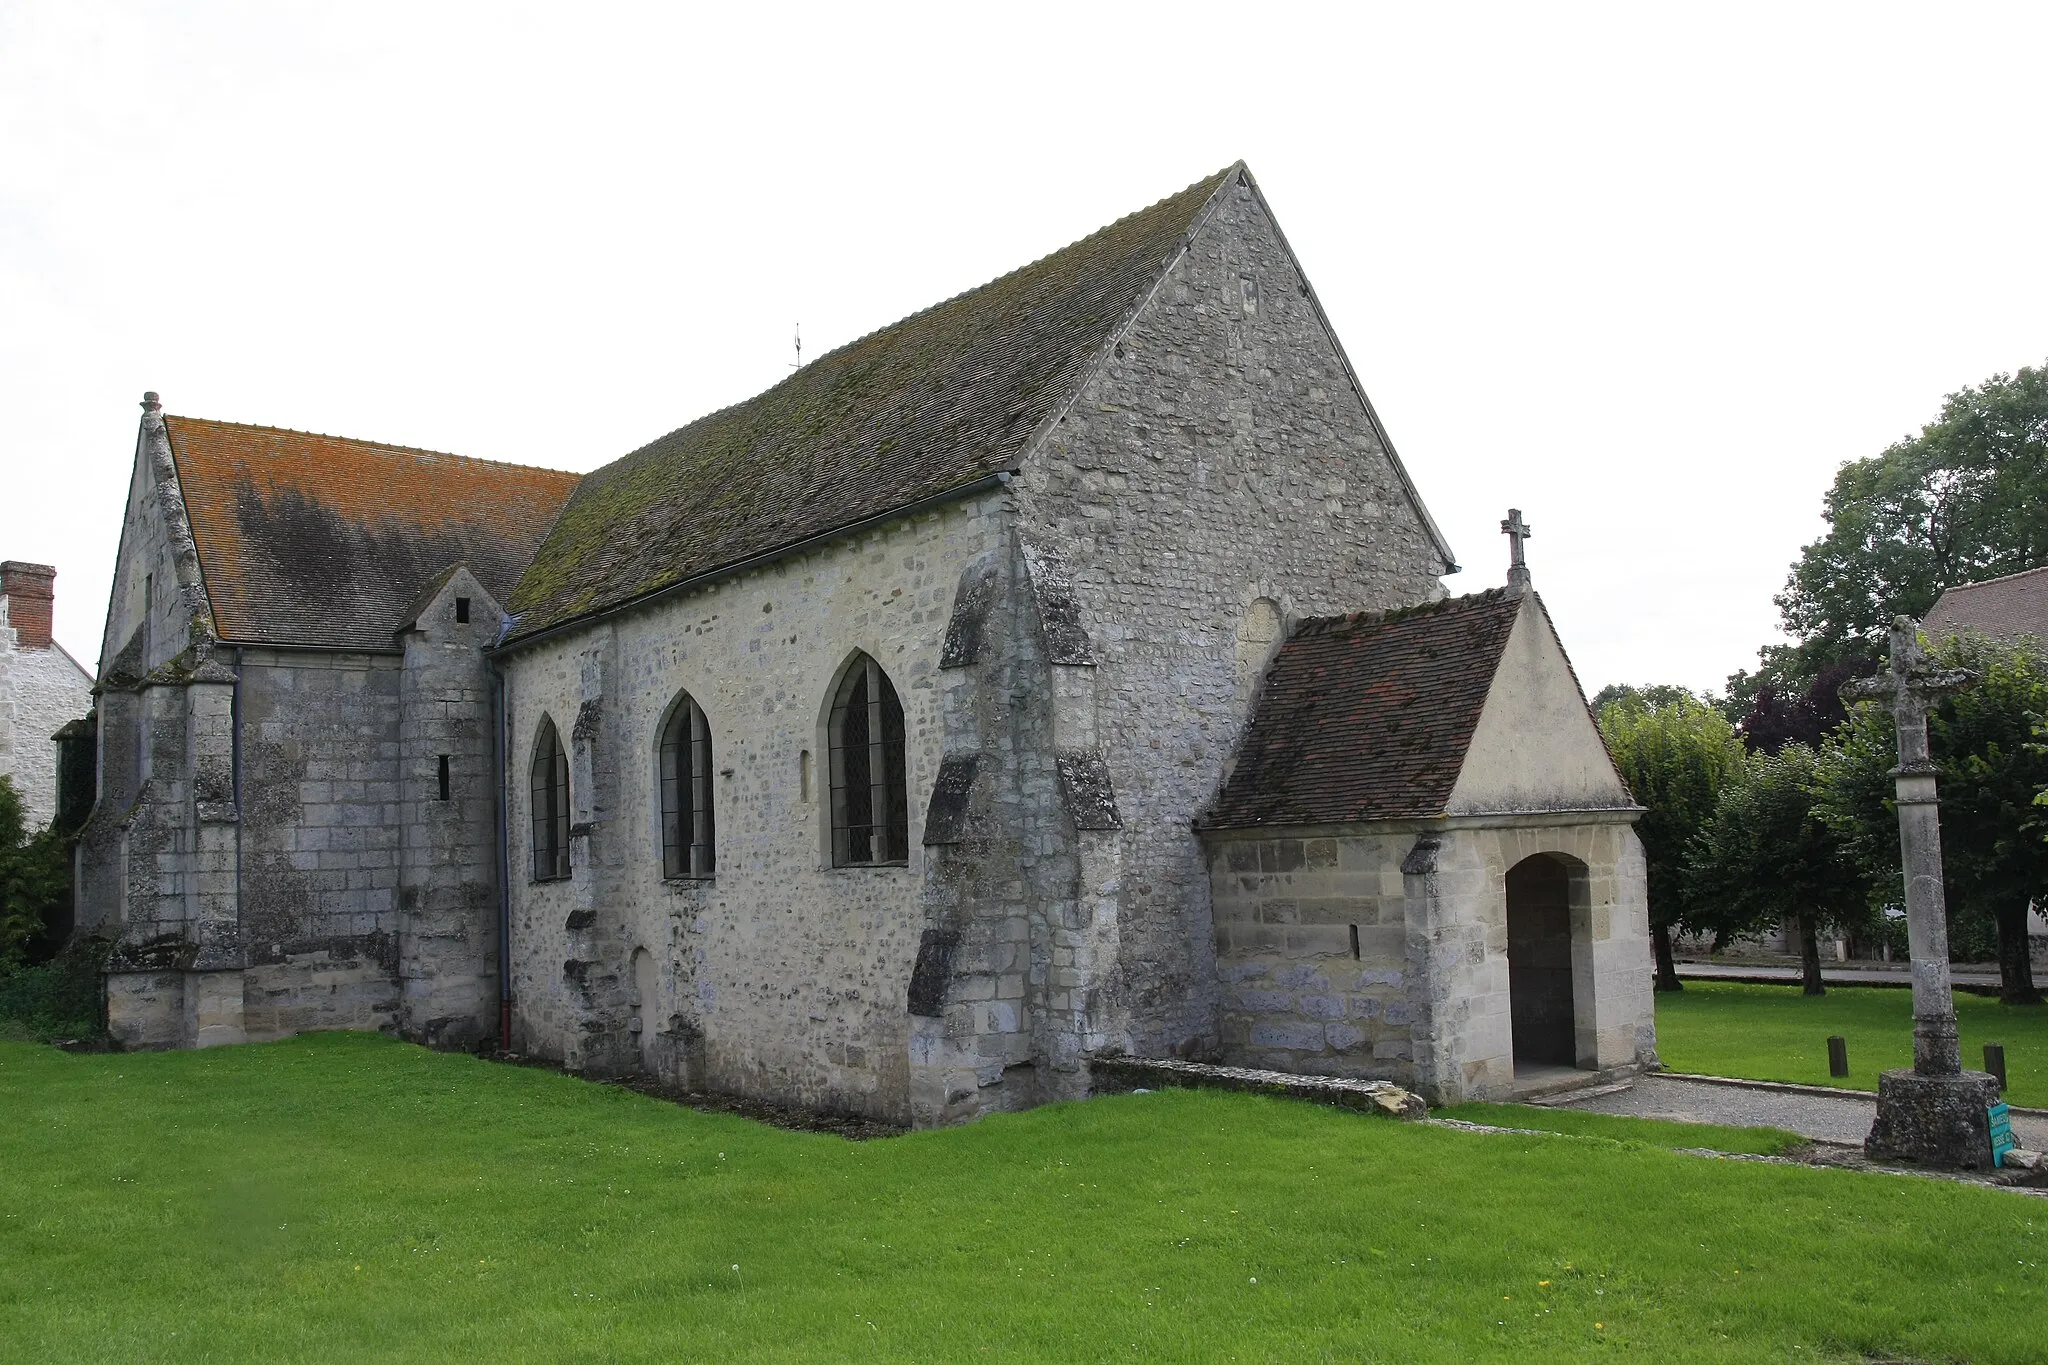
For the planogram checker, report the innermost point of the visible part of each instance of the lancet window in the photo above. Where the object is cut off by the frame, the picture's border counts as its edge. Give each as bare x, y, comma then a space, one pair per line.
550, 792
870, 804
689, 832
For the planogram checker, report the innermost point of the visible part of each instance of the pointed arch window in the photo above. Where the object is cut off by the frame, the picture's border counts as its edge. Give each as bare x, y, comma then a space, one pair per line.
550, 792
689, 832
870, 806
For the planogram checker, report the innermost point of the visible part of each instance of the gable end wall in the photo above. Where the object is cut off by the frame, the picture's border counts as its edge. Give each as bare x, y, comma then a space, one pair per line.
1219, 456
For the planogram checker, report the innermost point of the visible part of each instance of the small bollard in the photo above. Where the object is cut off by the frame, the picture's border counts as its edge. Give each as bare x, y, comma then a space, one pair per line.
1994, 1062
1838, 1056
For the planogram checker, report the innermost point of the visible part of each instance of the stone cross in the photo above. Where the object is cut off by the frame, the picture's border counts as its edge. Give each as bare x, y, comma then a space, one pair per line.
1937, 1113
1908, 686
1517, 531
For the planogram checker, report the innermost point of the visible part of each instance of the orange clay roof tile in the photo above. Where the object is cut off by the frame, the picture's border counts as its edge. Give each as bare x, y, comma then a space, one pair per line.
321, 540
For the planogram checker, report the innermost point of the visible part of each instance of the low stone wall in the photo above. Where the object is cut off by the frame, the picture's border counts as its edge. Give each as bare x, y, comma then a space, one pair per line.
1121, 1075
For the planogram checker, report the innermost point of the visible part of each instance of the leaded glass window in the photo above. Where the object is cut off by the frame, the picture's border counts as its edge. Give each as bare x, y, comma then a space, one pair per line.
870, 805
689, 833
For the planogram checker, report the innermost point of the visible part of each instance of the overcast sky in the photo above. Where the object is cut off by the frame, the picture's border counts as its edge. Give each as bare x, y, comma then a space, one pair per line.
1648, 274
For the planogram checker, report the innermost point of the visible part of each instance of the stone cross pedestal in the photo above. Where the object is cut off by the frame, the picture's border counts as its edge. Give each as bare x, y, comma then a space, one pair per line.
1936, 1113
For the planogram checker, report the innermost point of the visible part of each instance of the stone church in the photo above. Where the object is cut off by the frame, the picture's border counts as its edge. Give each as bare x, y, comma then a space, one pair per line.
1060, 672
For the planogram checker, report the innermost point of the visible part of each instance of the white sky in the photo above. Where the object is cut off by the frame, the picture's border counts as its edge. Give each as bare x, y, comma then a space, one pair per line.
1648, 274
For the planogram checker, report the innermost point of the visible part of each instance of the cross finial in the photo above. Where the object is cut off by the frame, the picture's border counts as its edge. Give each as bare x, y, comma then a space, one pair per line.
1517, 531
1908, 687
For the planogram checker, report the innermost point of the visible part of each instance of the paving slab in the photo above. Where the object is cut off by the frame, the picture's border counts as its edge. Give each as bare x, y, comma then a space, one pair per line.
1830, 1116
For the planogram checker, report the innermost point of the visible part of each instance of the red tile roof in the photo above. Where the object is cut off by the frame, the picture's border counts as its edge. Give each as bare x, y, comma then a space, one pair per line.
1368, 717
321, 540
2004, 608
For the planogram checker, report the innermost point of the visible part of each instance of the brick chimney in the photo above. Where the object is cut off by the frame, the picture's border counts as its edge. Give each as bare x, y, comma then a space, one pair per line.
28, 590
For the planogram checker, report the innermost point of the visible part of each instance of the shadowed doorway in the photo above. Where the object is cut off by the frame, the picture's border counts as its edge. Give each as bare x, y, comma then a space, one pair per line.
1540, 961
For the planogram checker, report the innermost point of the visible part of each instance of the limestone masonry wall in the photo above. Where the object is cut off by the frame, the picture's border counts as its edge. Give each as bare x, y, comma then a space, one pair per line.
448, 846
1219, 461
781, 976
1312, 953
1424, 1000
322, 817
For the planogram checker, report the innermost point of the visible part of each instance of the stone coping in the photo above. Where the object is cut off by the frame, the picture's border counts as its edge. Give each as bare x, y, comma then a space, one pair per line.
1120, 1075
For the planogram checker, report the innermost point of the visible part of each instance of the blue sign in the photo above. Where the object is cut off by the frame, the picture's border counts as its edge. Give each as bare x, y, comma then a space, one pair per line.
2001, 1133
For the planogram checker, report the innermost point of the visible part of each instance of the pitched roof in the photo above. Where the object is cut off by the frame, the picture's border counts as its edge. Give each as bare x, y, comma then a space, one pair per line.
935, 402
1368, 717
320, 540
2003, 608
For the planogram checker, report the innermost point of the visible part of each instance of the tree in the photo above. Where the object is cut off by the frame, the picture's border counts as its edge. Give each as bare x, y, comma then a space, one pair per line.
1653, 694
1964, 500
35, 882
1765, 855
1982, 740
1779, 715
1676, 757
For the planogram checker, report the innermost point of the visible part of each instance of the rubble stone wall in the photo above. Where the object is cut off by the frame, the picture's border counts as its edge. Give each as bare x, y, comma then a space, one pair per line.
1219, 467
781, 976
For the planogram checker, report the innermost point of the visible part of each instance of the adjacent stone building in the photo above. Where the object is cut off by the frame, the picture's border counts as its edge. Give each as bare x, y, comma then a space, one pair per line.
42, 688
1422, 862
296, 825
2014, 607
847, 747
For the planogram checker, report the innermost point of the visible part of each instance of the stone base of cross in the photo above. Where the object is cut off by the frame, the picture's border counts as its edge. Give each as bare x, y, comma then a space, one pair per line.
1936, 1114
1940, 1121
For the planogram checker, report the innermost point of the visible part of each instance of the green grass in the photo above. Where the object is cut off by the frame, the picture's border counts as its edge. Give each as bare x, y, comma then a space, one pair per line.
346, 1197
1773, 1033
1713, 1137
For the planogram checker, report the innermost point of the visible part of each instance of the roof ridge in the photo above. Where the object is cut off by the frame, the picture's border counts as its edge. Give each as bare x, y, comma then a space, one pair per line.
366, 441
923, 407
793, 376
1035, 262
1484, 597
2001, 578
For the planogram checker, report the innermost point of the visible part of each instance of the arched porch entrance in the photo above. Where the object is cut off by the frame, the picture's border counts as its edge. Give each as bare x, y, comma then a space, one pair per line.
1541, 1004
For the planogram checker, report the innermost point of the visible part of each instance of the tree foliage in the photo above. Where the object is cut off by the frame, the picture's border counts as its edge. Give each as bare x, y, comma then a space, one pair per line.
1652, 694
35, 882
1765, 855
1780, 714
1982, 740
1676, 757
1966, 499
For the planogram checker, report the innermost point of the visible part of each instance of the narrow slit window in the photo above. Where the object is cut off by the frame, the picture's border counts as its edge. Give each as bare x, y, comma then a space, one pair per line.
462, 610
870, 805
550, 791
689, 832
444, 777
1354, 940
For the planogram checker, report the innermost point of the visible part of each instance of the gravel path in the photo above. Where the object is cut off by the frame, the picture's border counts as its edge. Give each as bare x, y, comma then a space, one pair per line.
1828, 1118
1831, 973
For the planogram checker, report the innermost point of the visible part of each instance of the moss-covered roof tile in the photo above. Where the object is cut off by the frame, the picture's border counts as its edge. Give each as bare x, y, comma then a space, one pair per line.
937, 401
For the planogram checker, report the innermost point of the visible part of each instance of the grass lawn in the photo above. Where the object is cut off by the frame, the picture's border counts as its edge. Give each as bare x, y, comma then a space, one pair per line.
347, 1197
1773, 1033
